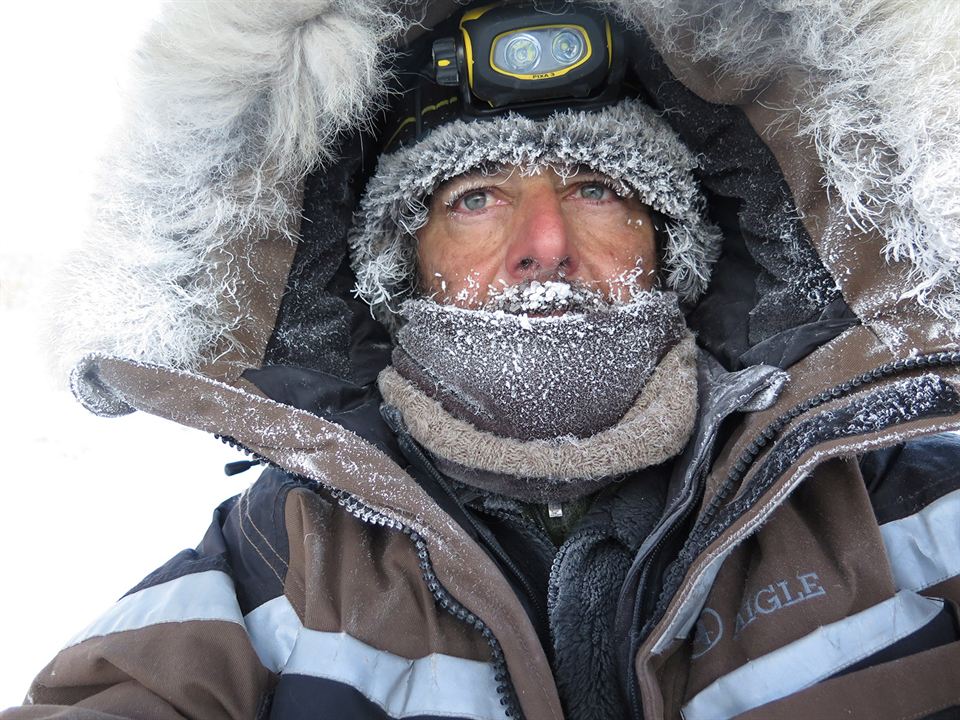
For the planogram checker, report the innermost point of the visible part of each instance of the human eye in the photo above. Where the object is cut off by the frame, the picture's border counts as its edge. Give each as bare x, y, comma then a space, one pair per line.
597, 189
471, 201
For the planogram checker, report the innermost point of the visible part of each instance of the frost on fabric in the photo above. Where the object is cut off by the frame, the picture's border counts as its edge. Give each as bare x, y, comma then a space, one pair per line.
880, 107
794, 285
536, 375
230, 105
871, 412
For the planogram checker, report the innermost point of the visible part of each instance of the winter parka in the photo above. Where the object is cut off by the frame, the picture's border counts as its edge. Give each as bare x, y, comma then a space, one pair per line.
800, 559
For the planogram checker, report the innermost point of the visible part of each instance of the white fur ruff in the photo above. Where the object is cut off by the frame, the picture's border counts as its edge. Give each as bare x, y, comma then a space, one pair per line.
231, 104
883, 110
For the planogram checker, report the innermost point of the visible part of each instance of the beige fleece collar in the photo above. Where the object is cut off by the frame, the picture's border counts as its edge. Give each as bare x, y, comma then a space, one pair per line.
655, 429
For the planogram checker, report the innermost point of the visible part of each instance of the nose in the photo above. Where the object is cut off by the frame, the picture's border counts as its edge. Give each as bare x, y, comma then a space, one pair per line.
541, 247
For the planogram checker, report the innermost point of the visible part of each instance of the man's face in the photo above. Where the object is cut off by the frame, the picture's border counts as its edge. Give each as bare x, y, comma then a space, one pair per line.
488, 232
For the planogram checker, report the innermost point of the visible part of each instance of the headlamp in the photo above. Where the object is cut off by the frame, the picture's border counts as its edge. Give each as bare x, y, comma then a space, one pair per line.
508, 55
531, 59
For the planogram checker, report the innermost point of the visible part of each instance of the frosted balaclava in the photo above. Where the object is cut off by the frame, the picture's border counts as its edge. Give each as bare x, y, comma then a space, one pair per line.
540, 408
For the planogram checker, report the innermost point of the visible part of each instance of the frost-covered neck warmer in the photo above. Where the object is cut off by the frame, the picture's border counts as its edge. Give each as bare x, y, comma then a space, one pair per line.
628, 142
537, 378
545, 408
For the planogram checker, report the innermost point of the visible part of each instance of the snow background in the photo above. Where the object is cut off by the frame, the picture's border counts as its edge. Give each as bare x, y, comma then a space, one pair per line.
88, 506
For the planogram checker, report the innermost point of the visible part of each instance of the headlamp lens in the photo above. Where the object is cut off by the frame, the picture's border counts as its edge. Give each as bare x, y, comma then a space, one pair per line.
567, 47
522, 53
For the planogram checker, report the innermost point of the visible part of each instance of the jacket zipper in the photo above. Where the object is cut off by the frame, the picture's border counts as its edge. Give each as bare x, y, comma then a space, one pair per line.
643, 597
440, 594
494, 547
764, 438
505, 689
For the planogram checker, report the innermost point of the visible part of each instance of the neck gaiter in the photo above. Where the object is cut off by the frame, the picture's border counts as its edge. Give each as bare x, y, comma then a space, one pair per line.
534, 378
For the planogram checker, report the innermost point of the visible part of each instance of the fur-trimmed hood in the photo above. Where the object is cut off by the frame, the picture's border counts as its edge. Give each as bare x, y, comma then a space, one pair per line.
237, 109
215, 288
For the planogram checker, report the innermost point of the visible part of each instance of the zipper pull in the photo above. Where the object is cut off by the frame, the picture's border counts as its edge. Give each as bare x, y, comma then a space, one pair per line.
239, 466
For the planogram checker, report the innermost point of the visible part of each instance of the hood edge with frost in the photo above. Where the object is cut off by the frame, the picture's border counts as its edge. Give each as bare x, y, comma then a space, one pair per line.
232, 104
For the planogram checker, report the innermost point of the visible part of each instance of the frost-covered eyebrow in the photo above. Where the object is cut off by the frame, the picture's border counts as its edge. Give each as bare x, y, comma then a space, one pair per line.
499, 174
480, 176
585, 172
450, 189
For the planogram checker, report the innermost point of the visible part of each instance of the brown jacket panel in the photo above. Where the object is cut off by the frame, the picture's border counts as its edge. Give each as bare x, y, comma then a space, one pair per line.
907, 689
819, 559
314, 448
365, 580
195, 669
59, 712
857, 585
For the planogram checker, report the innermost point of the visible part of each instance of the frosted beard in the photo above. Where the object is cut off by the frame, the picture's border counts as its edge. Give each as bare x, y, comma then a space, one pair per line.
549, 389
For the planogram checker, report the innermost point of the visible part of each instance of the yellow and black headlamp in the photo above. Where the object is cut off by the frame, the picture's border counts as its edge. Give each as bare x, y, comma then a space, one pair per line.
503, 57
517, 54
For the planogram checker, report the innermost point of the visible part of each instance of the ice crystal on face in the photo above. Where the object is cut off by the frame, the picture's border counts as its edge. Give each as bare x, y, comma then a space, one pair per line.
655, 166
544, 298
